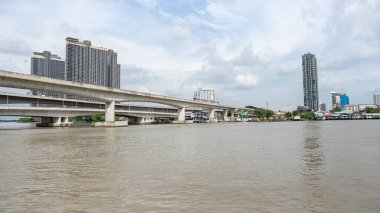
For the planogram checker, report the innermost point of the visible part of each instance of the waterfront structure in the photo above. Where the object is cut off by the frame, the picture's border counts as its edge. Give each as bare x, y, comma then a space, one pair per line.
344, 100
207, 95
48, 65
90, 64
310, 81
335, 97
376, 99
322, 107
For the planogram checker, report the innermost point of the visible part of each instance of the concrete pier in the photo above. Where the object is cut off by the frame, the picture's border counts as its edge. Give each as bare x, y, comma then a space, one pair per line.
110, 124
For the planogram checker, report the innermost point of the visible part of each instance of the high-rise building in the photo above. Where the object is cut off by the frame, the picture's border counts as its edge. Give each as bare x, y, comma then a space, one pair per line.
90, 64
47, 65
344, 100
310, 81
335, 96
376, 99
207, 95
322, 107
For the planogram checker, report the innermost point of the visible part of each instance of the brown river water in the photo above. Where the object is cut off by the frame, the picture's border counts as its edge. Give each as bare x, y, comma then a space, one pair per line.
327, 166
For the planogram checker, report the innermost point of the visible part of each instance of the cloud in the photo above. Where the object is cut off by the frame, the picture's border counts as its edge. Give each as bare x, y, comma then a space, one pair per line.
242, 48
147, 3
247, 80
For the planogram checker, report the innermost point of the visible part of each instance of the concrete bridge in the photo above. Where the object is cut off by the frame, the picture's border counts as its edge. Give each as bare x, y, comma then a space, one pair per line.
109, 96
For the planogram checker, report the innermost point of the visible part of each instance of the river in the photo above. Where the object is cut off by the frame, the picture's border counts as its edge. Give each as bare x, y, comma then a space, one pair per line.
326, 166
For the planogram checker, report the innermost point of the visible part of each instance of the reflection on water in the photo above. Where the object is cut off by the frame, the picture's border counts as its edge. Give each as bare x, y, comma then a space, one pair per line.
313, 172
237, 167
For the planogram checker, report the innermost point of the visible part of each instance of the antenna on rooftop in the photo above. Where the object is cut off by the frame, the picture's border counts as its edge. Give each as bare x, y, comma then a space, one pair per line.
25, 64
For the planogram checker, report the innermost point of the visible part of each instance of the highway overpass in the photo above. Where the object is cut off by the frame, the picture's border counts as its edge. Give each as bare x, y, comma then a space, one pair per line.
109, 96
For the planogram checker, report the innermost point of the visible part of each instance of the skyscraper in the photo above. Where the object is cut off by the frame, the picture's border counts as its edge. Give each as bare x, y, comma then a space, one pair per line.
47, 65
90, 64
376, 99
335, 97
344, 100
310, 82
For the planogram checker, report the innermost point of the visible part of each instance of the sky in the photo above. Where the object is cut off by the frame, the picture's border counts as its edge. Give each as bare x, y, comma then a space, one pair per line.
248, 51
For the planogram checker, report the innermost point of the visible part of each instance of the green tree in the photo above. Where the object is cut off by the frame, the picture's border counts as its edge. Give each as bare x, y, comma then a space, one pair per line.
268, 113
308, 116
336, 109
288, 115
371, 110
295, 113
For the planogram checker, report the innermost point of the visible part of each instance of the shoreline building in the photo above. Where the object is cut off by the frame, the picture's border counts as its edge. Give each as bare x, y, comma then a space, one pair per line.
376, 99
310, 82
48, 65
90, 64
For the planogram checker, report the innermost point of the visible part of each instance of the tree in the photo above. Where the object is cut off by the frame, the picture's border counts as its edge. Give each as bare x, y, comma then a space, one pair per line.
263, 113
295, 113
307, 116
268, 113
288, 115
336, 109
371, 110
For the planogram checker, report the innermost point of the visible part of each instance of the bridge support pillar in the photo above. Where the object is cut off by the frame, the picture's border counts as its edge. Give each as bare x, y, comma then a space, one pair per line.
181, 116
211, 116
110, 117
65, 121
225, 115
233, 118
49, 122
110, 111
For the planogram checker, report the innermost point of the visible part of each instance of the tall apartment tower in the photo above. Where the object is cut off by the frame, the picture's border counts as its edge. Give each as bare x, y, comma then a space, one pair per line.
47, 65
376, 99
90, 64
310, 82
207, 95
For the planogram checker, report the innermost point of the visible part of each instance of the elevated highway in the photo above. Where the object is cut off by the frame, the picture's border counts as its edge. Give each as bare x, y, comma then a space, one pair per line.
109, 96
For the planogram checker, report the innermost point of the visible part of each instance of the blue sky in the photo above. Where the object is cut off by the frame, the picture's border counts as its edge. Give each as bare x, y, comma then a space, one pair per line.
248, 51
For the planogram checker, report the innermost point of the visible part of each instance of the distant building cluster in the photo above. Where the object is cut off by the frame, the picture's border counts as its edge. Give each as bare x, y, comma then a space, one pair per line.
84, 63
311, 93
339, 99
205, 95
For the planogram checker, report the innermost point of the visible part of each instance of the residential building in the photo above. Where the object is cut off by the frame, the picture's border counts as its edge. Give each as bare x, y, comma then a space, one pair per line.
335, 96
90, 64
376, 99
207, 95
344, 100
48, 65
363, 106
310, 82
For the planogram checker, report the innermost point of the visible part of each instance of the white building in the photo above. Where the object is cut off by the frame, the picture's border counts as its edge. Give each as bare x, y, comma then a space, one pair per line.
335, 96
376, 99
207, 95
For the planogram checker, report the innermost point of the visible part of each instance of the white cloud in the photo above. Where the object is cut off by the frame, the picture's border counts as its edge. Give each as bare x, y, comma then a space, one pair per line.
241, 48
147, 3
247, 80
